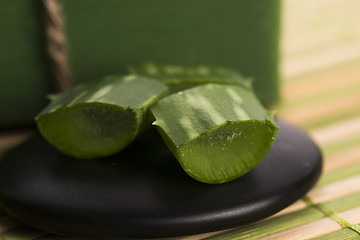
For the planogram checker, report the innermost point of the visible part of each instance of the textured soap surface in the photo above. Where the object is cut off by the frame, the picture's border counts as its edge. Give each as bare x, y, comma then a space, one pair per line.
99, 118
217, 132
238, 34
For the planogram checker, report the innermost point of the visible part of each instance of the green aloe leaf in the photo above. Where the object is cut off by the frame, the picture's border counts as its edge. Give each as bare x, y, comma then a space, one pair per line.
100, 118
181, 77
216, 132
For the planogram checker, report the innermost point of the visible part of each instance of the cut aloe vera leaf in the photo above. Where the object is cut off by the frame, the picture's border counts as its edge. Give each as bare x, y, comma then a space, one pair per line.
100, 118
181, 77
217, 132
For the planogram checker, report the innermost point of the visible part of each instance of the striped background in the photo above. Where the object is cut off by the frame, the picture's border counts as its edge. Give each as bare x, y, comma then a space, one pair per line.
321, 94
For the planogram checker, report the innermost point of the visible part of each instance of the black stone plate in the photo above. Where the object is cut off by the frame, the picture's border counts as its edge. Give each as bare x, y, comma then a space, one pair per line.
141, 193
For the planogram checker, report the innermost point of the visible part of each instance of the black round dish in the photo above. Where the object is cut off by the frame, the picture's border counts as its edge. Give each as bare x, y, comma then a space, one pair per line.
143, 193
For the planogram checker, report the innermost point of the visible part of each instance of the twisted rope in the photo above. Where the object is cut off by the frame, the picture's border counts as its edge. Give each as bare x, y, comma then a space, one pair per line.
56, 44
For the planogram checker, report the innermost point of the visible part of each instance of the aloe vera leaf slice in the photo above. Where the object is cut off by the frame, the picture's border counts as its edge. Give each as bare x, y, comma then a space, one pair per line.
216, 132
181, 77
99, 118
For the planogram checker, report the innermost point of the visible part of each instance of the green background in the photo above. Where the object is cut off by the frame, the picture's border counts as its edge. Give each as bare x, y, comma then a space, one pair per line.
106, 36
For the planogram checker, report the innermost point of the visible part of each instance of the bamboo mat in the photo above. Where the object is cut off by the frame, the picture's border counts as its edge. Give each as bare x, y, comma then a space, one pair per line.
320, 94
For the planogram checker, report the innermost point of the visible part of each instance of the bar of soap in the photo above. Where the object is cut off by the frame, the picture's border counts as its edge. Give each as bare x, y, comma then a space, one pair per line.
25, 75
217, 132
243, 35
99, 118
181, 77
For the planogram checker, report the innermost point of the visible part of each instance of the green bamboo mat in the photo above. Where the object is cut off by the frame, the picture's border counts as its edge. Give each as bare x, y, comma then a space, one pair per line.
320, 89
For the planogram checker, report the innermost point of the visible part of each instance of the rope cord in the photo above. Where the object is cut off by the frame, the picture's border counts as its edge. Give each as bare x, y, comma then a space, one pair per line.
56, 44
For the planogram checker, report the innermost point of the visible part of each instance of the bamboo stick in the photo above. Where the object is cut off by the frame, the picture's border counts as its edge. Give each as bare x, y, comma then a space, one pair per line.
335, 190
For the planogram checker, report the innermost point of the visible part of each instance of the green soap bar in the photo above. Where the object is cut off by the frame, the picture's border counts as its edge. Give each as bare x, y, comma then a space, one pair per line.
180, 77
216, 132
107, 36
99, 118
24, 71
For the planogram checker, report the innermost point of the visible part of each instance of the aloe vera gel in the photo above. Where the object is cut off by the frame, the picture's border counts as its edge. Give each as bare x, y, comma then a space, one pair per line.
100, 118
216, 132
